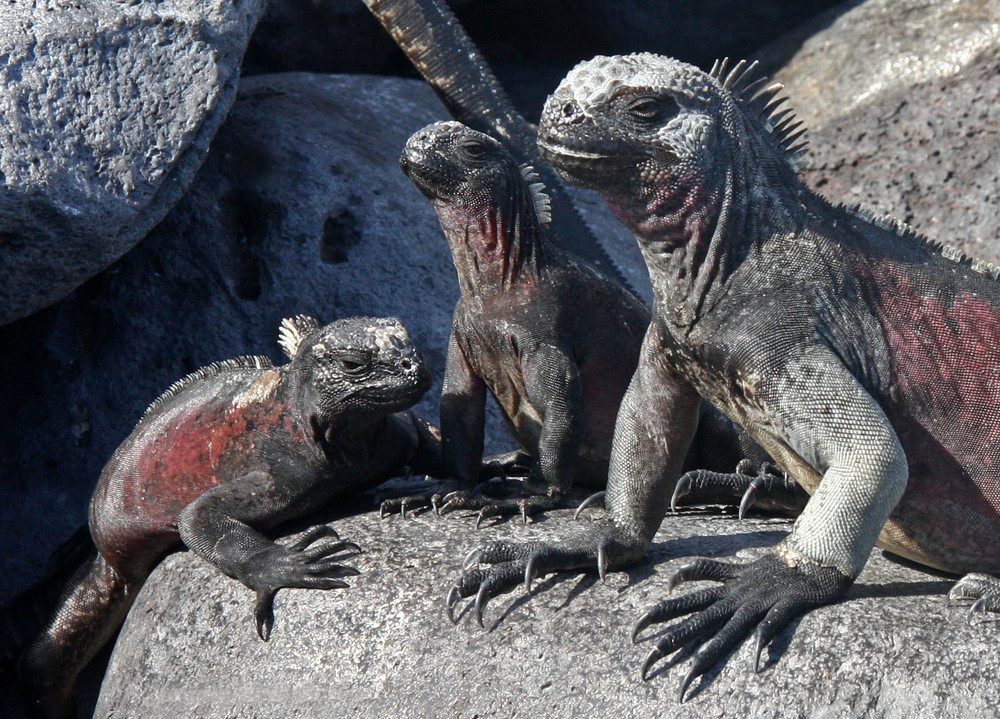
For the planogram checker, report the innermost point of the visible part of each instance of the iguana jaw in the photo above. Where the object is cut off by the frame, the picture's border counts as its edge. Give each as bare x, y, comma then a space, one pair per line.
588, 164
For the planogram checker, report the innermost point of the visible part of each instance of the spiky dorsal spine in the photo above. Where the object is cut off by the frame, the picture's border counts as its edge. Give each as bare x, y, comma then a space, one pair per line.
901, 229
246, 362
293, 330
751, 90
541, 201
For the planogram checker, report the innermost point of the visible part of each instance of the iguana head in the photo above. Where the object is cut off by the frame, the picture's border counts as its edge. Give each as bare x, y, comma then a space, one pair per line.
354, 368
489, 206
656, 136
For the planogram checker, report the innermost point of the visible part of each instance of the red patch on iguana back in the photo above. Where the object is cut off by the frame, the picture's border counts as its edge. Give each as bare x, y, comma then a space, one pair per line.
944, 403
181, 454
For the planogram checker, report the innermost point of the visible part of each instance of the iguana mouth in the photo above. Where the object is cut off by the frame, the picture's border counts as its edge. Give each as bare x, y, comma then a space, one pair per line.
584, 166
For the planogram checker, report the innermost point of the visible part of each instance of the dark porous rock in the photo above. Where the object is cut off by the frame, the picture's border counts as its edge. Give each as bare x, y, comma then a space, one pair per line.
384, 647
108, 110
926, 154
859, 52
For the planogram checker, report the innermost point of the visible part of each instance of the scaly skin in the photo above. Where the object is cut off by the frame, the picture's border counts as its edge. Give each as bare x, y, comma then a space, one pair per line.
227, 453
857, 353
552, 340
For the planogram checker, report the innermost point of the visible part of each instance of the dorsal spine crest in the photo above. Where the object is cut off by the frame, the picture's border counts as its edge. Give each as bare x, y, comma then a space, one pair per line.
902, 230
539, 198
293, 330
245, 362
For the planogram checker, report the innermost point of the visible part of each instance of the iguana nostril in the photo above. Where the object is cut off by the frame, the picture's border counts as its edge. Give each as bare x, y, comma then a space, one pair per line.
406, 364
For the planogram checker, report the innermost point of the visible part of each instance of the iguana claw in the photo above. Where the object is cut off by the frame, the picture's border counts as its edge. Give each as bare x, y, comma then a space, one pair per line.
982, 588
766, 593
768, 487
592, 499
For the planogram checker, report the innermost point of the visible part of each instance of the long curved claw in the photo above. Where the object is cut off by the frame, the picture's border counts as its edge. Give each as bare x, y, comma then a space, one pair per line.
453, 598
592, 499
750, 496
766, 594
320, 531
682, 488
471, 559
504, 565
264, 613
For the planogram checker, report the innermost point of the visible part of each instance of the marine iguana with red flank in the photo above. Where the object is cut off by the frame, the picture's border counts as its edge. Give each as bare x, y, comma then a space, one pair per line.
550, 338
855, 351
228, 452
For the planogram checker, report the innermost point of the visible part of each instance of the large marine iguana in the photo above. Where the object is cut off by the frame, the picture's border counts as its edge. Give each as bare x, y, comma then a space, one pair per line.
862, 356
550, 338
226, 453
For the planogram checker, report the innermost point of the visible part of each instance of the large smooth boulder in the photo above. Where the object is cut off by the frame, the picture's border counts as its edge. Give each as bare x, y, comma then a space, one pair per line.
384, 647
925, 154
861, 51
108, 110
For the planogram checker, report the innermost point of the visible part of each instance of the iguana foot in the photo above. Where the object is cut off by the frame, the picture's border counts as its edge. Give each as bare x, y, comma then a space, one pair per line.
413, 503
306, 563
765, 487
525, 507
983, 589
766, 593
512, 563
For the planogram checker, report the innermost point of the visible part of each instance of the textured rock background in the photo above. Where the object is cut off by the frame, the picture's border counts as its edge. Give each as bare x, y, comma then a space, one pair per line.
384, 647
863, 50
108, 110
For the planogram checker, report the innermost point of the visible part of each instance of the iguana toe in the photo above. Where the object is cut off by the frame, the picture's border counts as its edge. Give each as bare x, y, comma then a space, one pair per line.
769, 489
766, 593
983, 589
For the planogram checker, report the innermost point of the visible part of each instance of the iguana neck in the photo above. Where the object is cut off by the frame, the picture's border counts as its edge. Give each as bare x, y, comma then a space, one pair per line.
695, 239
494, 247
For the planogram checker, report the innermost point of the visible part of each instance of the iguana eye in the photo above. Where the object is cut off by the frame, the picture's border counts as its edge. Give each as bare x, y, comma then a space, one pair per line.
353, 364
647, 109
473, 148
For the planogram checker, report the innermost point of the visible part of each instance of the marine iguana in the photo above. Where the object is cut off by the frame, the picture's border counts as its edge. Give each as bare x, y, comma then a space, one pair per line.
554, 341
549, 337
226, 453
859, 354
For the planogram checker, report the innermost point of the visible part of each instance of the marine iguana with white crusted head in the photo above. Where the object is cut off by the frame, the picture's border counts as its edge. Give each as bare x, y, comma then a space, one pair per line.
228, 452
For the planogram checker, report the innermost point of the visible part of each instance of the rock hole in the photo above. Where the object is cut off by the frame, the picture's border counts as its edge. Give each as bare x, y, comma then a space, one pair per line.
340, 233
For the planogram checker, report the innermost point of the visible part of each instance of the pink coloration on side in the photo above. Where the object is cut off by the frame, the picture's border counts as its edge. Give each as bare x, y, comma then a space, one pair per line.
184, 452
945, 406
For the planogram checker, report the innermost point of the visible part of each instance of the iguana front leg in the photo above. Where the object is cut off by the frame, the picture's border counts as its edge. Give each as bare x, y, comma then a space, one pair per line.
553, 389
654, 429
217, 527
463, 418
820, 413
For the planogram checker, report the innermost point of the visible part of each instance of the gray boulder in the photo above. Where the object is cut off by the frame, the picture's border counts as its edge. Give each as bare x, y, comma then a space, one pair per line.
384, 647
108, 110
861, 51
925, 154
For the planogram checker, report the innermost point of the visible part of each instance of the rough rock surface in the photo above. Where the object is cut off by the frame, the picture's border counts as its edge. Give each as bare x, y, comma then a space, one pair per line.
384, 647
531, 44
861, 51
108, 110
927, 155
300, 208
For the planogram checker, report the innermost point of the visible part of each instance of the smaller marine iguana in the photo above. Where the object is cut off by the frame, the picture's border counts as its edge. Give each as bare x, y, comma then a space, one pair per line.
858, 353
553, 340
232, 450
